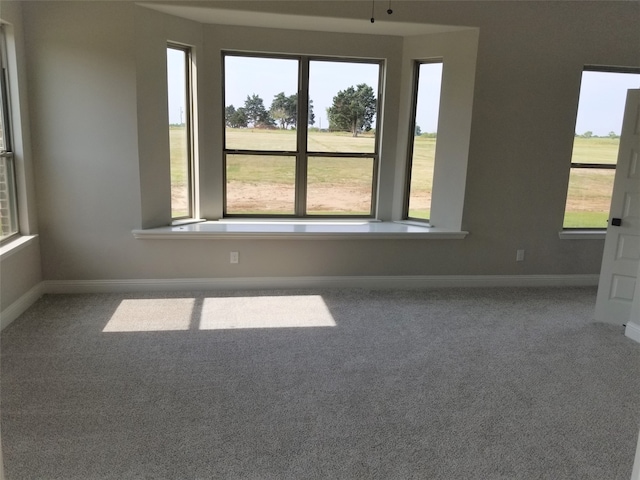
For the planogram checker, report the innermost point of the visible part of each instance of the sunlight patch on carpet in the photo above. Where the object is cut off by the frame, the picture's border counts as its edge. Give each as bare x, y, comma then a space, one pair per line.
151, 314
167, 314
292, 311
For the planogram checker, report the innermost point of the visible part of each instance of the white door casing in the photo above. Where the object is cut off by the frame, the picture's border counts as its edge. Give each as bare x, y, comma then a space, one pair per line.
621, 257
633, 325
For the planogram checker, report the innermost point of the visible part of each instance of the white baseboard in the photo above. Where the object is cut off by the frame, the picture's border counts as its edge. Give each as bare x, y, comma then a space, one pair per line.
252, 283
632, 331
14, 310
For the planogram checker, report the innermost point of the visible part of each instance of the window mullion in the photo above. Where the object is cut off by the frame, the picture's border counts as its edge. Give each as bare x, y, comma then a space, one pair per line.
603, 166
301, 130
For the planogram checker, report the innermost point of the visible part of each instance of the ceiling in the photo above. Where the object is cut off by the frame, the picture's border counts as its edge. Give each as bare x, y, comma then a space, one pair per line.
218, 16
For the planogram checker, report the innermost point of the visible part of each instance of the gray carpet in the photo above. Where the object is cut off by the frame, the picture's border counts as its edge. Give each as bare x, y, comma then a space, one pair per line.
426, 384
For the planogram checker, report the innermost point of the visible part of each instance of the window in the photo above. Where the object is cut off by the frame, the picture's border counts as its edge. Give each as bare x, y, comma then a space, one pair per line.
180, 131
422, 145
595, 146
8, 203
300, 136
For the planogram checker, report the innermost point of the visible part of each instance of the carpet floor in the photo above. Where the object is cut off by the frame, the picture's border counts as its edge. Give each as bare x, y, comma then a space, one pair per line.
495, 383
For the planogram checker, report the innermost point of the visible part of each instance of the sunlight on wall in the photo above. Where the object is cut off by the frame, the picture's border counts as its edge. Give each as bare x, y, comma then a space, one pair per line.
220, 313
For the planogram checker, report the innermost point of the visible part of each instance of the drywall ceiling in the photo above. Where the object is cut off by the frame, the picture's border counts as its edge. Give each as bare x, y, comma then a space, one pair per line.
220, 16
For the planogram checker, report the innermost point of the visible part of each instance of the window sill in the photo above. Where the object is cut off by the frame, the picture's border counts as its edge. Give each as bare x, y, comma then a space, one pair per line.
582, 234
186, 221
14, 246
298, 230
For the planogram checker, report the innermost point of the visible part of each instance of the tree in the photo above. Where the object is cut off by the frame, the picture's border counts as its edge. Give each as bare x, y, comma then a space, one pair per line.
281, 110
613, 134
239, 119
284, 110
235, 118
292, 105
588, 134
256, 114
229, 112
353, 109
418, 132
312, 116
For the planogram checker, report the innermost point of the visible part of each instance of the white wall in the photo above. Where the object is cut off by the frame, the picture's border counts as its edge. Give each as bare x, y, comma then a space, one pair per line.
101, 149
82, 79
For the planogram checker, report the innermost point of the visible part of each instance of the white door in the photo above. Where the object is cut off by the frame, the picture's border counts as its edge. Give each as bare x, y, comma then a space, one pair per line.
618, 275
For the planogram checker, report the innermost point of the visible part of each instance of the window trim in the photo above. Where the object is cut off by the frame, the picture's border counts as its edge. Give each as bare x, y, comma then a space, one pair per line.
299, 229
302, 153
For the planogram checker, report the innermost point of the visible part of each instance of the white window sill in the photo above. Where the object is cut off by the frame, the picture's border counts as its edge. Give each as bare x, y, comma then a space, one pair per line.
297, 230
14, 246
582, 234
186, 221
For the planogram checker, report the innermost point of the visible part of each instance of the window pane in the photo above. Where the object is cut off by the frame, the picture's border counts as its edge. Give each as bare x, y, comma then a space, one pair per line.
589, 198
343, 101
260, 184
424, 140
600, 111
179, 142
598, 125
8, 213
339, 186
8, 201
260, 103
3, 142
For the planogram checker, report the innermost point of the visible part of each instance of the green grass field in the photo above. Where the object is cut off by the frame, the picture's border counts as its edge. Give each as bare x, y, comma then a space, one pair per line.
179, 172
339, 186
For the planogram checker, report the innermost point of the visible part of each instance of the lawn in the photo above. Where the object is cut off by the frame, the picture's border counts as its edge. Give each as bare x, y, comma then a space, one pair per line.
589, 196
342, 186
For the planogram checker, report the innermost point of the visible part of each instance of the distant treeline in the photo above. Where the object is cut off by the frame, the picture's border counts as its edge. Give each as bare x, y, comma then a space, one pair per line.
589, 134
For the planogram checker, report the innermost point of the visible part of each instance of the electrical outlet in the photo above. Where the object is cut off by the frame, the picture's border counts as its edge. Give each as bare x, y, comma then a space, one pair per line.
234, 257
519, 255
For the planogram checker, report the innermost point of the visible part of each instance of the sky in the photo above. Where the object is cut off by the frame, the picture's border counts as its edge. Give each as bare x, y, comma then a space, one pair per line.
268, 77
600, 109
602, 99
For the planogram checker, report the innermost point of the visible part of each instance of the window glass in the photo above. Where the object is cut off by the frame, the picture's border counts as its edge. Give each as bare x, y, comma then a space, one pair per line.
595, 147
260, 185
8, 211
339, 186
178, 80
268, 169
260, 103
343, 97
8, 198
425, 133
3, 135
